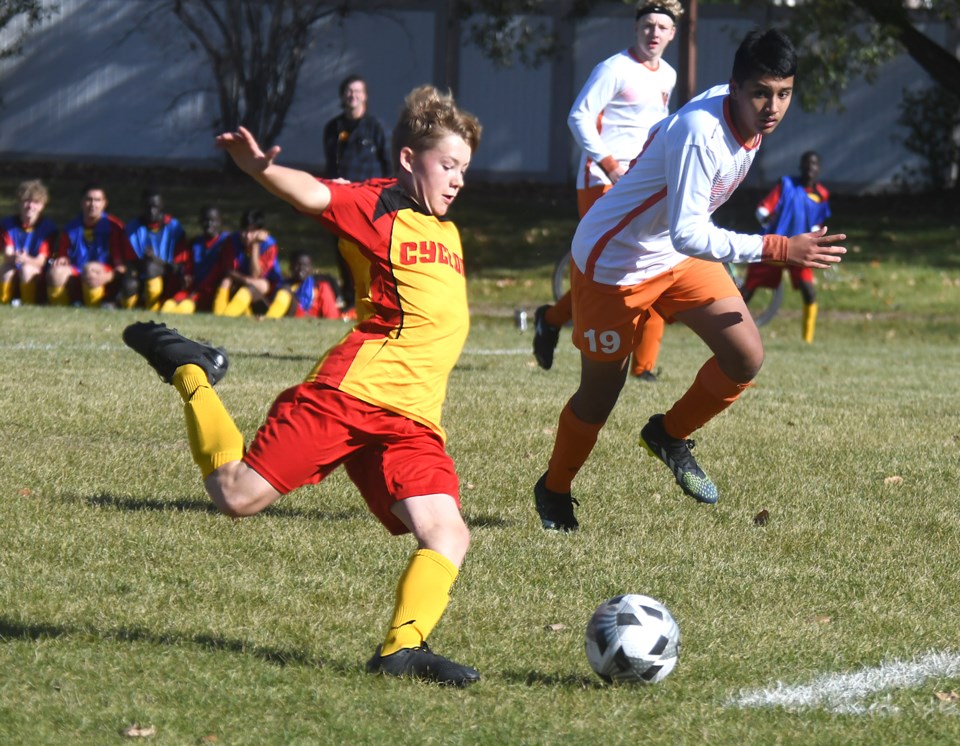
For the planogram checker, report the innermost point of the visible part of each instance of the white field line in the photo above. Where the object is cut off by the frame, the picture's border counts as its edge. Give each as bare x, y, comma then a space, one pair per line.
846, 692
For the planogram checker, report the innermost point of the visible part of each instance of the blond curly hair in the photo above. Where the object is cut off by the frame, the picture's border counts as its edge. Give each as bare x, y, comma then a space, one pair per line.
673, 7
428, 116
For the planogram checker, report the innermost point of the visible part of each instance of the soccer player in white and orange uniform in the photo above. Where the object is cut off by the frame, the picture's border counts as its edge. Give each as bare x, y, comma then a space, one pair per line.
372, 403
624, 96
650, 242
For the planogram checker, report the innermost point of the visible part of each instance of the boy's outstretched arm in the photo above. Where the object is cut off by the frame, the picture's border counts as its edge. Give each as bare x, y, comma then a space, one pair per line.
298, 188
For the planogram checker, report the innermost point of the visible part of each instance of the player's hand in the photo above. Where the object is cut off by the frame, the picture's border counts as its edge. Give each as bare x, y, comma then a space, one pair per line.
246, 151
816, 249
615, 174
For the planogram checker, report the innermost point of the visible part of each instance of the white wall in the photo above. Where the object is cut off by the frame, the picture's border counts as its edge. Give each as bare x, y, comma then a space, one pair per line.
119, 80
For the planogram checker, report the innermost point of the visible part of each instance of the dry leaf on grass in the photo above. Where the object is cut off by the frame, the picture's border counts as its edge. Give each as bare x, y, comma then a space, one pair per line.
139, 731
761, 518
950, 696
819, 619
26, 492
893, 480
558, 627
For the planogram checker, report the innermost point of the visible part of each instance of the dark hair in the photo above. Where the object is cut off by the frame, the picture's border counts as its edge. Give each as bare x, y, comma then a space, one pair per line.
150, 190
350, 80
253, 218
90, 186
299, 253
809, 154
763, 53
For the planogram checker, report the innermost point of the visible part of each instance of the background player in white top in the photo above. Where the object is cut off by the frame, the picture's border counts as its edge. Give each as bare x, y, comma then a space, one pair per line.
624, 96
650, 241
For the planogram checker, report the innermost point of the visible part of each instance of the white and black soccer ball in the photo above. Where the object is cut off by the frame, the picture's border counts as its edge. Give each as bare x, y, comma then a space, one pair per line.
632, 638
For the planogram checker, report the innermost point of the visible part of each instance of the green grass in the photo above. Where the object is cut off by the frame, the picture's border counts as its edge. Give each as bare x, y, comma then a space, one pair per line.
124, 597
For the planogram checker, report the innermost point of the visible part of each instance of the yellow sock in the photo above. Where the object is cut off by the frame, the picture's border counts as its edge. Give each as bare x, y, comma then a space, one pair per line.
423, 593
57, 296
281, 304
6, 292
152, 290
92, 297
239, 304
214, 438
169, 306
28, 292
809, 322
220, 301
129, 302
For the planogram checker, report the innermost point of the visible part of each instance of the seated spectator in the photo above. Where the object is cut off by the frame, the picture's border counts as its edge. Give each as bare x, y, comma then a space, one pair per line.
161, 248
25, 240
252, 274
308, 294
92, 256
204, 268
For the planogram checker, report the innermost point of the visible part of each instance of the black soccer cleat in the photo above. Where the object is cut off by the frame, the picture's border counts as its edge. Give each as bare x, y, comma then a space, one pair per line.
545, 338
675, 453
422, 663
166, 350
554, 508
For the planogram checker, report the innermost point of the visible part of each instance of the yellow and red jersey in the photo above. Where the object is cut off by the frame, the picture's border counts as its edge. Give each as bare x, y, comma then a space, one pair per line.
411, 301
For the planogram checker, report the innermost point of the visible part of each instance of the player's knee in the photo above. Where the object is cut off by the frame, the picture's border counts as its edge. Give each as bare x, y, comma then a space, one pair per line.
234, 502
234, 493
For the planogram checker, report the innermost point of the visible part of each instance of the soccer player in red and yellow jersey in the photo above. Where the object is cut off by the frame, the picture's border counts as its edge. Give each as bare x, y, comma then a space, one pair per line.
372, 403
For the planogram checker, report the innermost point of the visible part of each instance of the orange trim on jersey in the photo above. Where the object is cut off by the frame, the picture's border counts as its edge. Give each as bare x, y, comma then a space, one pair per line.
728, 117
646, 64
600, 245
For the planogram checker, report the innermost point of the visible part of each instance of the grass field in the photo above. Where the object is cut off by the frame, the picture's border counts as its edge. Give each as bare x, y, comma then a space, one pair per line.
125, 598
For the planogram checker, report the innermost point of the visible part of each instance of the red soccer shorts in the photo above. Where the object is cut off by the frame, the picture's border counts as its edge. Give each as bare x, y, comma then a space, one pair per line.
607, 319
769, 276
312, 429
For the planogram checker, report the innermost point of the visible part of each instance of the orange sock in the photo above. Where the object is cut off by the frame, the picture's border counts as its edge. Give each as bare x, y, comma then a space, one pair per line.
575, 440
712, 392
560, 312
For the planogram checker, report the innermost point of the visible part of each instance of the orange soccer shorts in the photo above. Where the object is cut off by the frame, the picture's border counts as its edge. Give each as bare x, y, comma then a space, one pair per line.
312, 429
607, 318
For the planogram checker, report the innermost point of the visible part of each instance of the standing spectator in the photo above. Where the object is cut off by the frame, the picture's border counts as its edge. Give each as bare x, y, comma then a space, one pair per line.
624, 96
356, 150
160, 244
797, 204
650, 241
252, 276
92, 256
204, 269
25, 239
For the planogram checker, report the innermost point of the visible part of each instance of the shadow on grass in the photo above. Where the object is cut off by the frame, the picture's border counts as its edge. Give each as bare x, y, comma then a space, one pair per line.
106, 500
485, 521
184, 505
539, 678
11, 630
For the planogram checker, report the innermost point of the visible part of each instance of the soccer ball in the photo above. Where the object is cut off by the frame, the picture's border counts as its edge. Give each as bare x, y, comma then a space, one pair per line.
632, 638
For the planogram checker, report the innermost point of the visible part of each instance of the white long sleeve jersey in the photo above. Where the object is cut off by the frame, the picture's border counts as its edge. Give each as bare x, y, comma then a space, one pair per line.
659, 212
614, 111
